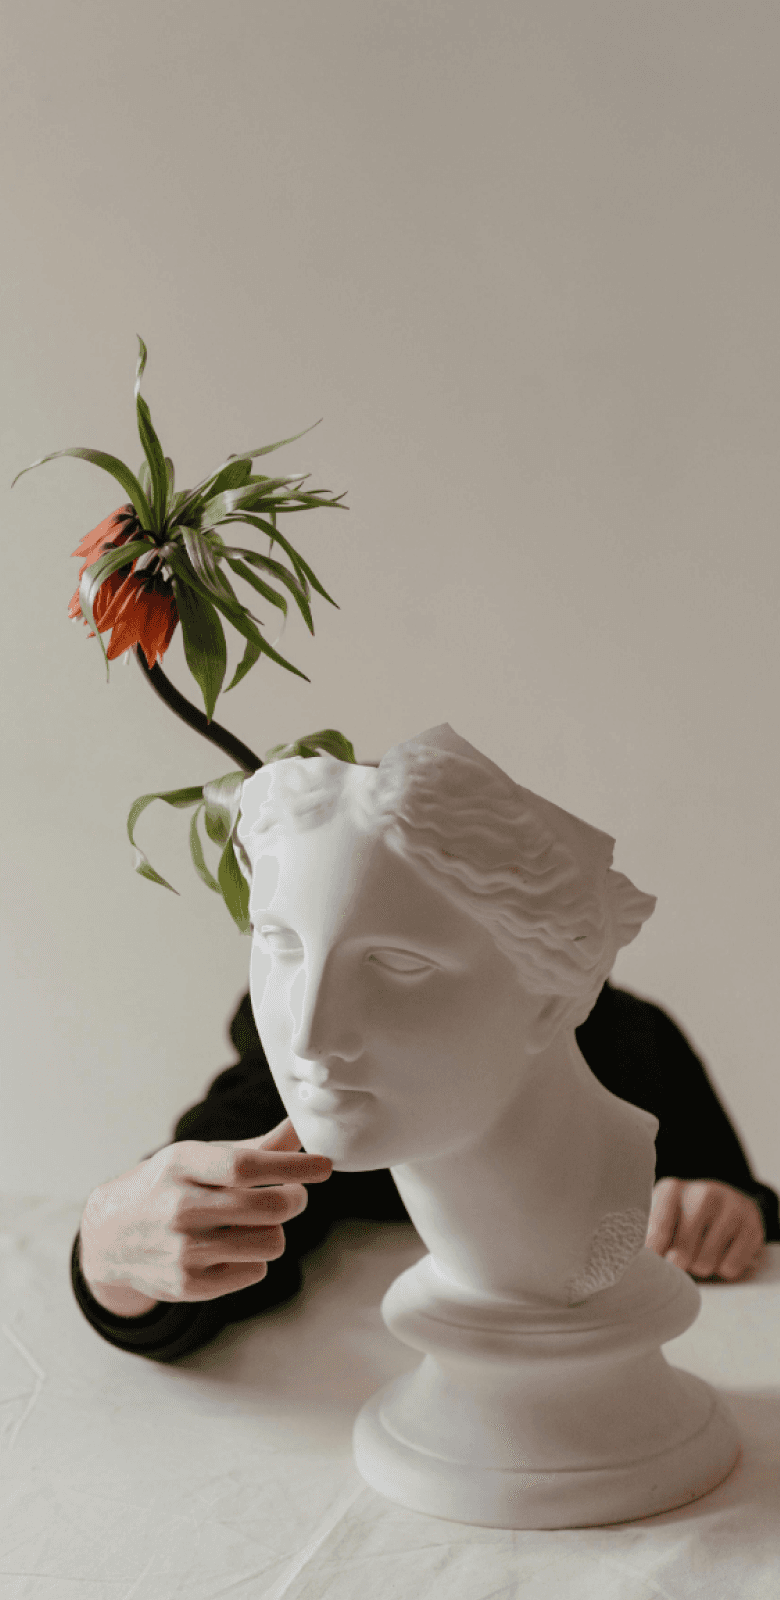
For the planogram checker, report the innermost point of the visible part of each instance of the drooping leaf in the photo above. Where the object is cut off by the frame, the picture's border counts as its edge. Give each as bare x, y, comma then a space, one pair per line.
219, 590
267, 564
172, 797
302, 569
196, 851
203, 635
235, 889
108, 463
243, 571
252, 654
244, 625
151, 446
236, 614
311, 744
203, 560
223, 801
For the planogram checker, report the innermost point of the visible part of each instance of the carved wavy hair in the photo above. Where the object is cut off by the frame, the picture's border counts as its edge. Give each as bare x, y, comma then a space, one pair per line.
475, 835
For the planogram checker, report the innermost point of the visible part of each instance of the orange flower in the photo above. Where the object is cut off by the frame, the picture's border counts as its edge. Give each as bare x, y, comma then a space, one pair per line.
139, 608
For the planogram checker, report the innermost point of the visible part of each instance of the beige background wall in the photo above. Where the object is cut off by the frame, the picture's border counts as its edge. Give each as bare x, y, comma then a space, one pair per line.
524, 261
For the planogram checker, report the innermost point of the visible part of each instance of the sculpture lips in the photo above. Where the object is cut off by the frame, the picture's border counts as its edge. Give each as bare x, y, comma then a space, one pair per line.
328, 1097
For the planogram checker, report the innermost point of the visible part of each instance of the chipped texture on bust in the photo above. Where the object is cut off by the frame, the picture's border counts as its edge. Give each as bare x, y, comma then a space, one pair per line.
620, 1236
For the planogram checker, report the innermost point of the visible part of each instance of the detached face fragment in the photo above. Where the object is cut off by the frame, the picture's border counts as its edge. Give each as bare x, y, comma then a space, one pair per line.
387, 1014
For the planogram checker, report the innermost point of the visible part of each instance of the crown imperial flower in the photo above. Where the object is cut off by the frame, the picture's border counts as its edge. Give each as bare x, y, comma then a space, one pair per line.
160, 560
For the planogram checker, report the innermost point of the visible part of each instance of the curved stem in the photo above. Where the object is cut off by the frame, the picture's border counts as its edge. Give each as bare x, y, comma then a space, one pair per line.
221, 737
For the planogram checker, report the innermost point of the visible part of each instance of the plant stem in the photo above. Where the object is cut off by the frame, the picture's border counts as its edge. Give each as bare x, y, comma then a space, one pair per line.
221, 737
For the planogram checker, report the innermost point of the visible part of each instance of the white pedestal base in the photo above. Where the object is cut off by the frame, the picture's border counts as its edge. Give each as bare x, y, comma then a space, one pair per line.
530, 1416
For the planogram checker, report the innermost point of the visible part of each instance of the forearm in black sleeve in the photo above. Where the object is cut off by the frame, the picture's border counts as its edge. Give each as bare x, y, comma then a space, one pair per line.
696, 1138
640, 1054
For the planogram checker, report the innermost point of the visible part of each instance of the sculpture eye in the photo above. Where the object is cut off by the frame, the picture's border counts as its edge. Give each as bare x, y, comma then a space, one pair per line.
401, 962
280, 941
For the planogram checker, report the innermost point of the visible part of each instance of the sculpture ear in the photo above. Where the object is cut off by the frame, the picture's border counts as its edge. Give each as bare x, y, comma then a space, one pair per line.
546, 1022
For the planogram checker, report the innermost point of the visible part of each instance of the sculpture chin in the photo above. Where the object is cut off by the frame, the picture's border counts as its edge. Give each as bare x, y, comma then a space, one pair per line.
345, 1132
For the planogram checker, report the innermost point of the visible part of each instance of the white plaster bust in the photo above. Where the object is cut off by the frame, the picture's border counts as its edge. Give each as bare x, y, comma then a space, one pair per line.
427, 935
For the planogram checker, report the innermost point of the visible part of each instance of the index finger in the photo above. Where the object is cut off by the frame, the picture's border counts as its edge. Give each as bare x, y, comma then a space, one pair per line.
224, 1163
282, 1137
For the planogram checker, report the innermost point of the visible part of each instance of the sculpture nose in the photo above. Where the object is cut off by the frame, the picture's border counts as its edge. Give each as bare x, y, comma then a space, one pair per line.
324, 1020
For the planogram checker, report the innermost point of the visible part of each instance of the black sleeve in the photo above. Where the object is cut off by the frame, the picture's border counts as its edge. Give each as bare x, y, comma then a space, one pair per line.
241, 1103
637, 1051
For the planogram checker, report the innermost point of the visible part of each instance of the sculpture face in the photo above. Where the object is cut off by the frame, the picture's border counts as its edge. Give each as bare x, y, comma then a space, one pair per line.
392, 1024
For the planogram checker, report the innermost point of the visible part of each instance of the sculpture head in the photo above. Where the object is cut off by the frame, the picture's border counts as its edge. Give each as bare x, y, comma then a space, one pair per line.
420, 930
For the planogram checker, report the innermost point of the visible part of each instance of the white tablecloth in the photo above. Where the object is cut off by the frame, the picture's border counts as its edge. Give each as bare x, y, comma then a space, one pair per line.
231, 1473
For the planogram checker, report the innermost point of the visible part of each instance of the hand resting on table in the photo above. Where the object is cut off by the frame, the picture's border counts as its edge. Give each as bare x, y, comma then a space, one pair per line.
706, 1227
196, 1220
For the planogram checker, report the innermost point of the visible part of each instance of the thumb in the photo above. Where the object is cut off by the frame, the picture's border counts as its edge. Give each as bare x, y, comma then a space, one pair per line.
282, 1137
665, 1212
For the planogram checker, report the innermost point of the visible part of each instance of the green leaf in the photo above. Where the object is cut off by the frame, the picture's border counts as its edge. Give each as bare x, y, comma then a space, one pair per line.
172, 797
232, 476
231, 608
249, 495
205, 649
305, 501
235, 889
151, 445
170, 473
302, 569
267, 564
251, 578
223, 802
243, 571
252, 654
268, 449
203, 560
117, 469
311, 744
199, 860
93, 576
214, 581
145, 477
201, 489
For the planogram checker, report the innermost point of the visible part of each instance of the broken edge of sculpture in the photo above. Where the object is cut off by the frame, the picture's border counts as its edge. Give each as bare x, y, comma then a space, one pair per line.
543, 1399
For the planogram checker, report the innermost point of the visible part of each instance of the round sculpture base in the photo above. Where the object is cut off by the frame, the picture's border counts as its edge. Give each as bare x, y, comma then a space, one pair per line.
524, 1417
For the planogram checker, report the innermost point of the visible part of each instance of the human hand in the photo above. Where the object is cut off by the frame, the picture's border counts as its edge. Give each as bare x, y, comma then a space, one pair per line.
705, 1227
196, 1220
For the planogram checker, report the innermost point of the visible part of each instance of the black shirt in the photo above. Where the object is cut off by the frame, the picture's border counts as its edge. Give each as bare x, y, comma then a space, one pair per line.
630, 1045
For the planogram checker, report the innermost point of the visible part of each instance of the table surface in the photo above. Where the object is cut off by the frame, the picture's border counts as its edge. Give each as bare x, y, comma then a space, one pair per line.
230, 1473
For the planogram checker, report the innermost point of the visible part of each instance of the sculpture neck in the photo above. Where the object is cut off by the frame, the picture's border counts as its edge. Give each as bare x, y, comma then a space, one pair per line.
514, 1212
